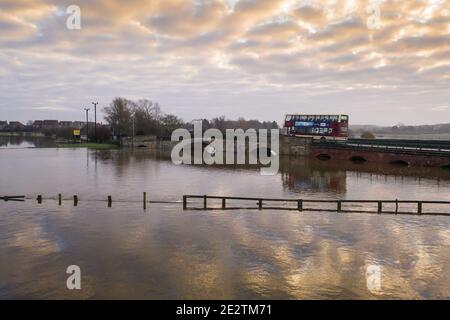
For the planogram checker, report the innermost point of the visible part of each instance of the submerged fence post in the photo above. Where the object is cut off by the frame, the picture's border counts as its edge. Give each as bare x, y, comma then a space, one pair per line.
75, 200
300, 205
223, 203
145, 200
380, 207
339, 206
184, 202
419, 207
260, 204
396, 206
204, 202
59, 199
39, 199
109, 201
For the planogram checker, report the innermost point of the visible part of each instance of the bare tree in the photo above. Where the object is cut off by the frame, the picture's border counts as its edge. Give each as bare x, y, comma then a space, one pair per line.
169, 123
147, 116
118, 116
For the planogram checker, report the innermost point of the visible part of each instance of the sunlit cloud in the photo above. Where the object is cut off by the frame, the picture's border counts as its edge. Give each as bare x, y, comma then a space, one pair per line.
251, 58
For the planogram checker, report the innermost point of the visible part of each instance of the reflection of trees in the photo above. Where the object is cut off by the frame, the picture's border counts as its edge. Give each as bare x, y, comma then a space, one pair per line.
42, 142
14, 141
122, 160
24, 141
300, 174
4, 141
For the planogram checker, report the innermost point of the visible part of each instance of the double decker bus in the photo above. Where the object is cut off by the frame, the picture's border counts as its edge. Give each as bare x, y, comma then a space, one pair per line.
324, 127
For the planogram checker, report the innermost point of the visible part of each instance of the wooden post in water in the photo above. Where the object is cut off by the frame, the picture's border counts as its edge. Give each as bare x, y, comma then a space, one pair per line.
59, 199
39, 199
184, 202
204, 202
145, 200
339, 206
396, 206
75, 200
109, 201
300, 205
223, 203
380, 206
419, 207
260, 204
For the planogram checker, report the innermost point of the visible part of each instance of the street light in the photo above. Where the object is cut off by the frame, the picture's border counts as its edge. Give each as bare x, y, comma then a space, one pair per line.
95, 119
132, 135
87, 123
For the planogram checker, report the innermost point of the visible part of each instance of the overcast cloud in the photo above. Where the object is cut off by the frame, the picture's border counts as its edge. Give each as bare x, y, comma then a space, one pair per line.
251, 58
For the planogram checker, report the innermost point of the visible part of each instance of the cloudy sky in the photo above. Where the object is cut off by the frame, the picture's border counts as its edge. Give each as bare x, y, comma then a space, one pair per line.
252, 58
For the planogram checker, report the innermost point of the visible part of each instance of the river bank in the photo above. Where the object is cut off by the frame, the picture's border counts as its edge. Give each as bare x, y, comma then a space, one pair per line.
90, 145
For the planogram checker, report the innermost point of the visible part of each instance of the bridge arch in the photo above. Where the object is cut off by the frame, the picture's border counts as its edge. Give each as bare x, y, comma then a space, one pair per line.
357, 159
323, 156
399, 163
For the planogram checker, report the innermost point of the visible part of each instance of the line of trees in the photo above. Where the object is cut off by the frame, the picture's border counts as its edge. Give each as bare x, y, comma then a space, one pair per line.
222, 124
144, 117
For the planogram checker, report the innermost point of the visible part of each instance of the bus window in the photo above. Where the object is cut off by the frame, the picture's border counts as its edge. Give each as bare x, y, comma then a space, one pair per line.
344, 118
288, 118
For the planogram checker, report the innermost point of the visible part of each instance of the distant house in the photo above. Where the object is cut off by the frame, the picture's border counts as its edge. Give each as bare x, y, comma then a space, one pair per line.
66, 124
3, 125
77, 124
50, 124
15, 126
37, 125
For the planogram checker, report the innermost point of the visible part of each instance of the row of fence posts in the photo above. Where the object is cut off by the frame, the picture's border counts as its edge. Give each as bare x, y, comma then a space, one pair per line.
223, 199
299, 204
108, 200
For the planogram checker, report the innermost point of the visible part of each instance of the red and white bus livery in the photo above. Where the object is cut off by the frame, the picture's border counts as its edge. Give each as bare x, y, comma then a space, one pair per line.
324, 127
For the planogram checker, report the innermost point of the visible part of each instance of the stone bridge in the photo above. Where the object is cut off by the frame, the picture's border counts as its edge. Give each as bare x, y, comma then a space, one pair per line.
426, 154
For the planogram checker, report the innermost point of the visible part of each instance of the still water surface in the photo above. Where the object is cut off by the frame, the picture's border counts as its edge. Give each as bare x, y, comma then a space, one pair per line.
165, 252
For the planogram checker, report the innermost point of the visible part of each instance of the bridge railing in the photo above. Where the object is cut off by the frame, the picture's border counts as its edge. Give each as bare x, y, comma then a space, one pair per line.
423, 149
419, 144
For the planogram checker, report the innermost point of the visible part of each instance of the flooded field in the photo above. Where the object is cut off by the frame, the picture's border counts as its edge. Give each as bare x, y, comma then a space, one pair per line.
164, 252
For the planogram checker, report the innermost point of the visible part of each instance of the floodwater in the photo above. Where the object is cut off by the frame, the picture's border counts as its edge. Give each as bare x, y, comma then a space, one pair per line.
164, 252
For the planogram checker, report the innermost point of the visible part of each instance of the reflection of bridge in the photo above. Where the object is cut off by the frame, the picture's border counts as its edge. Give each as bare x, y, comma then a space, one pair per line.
401, 152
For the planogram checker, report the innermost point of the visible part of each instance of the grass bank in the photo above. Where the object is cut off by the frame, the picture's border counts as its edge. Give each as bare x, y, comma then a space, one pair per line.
90, 145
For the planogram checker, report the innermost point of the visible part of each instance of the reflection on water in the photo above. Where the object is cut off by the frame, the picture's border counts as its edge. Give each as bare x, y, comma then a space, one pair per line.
163, 252
16, 142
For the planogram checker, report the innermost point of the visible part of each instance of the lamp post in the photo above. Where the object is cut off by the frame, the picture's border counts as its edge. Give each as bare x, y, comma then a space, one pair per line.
132, 135
95, 120
87, 123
